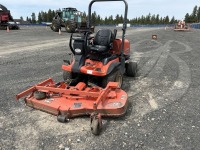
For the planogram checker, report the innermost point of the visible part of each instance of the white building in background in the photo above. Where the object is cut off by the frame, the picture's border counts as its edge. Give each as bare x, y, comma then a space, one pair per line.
121, 25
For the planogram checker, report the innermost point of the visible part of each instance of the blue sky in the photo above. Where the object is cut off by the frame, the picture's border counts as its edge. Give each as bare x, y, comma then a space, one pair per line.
177, 8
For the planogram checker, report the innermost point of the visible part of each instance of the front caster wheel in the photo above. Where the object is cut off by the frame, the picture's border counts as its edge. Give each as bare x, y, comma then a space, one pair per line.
95, 127
62, 118
96, 124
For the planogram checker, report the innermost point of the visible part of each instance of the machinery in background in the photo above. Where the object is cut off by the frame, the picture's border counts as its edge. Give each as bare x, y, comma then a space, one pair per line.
181, 26
6, 19
70, 18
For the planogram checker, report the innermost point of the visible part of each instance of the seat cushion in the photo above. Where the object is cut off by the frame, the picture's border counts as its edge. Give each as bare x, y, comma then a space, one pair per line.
98, 48
103, 37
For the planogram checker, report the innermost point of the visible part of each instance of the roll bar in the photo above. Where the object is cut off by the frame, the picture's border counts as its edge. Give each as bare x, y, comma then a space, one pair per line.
3, 8
125, 18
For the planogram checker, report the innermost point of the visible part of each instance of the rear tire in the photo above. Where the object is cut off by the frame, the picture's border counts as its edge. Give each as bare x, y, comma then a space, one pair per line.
55, 25
131, 69
70, 26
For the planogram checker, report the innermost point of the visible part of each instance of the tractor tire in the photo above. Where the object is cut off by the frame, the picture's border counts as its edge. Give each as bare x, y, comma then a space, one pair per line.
131, 69
55, 26
113, 77
70, 26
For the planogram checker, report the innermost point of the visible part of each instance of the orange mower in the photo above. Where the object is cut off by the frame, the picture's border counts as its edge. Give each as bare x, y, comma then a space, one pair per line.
182, 26
93, 78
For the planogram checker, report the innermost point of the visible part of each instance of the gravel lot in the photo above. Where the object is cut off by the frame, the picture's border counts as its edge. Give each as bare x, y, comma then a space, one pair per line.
164, 106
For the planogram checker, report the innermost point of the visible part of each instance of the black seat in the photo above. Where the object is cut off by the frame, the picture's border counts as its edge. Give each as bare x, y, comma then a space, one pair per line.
102, 41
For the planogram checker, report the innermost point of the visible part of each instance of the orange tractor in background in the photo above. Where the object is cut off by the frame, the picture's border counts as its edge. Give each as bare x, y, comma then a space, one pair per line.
93, 77
181, 26
6, 19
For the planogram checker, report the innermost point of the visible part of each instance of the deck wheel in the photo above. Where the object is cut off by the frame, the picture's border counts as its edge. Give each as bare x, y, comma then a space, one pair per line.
96, 124
62, 118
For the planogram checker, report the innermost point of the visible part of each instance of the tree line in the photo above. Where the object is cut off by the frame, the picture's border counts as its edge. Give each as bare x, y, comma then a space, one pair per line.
110, 20
194, 17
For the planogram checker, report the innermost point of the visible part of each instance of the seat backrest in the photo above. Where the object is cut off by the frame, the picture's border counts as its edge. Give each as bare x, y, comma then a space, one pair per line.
103, 37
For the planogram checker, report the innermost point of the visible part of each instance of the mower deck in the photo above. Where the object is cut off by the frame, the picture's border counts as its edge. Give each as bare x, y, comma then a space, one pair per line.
182, 29
72, 101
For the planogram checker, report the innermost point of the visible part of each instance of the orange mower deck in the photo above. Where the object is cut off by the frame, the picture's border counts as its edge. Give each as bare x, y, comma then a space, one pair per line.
181, 29
72, 101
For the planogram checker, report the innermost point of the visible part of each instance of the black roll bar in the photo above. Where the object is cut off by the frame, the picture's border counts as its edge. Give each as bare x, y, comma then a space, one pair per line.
124, 23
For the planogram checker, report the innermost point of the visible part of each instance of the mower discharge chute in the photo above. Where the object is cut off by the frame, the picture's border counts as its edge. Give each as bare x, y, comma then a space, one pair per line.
92, 78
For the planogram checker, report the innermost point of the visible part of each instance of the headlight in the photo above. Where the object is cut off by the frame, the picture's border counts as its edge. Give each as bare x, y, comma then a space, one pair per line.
77, 50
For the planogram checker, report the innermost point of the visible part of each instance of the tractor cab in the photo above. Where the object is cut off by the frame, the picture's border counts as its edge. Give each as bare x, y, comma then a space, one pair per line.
71, 14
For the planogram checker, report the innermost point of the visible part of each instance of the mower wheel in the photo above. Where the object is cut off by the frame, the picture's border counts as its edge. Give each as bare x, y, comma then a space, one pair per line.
95, 126
39, 95
55, 26
61, 118
131, 69
70, 26
113, 77
67, 75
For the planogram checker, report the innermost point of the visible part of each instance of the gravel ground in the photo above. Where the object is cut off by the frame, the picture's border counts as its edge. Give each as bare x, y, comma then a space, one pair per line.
164, 107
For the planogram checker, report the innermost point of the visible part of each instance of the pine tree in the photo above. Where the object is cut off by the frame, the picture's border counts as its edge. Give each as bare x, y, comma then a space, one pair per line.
49, 16
167, 20
148, 19
172, 21
194, 14
39, 17
187, 18
33, 18
21, 18
121, 19
198, 15
153, 19
157, 19
117, 19
94, 18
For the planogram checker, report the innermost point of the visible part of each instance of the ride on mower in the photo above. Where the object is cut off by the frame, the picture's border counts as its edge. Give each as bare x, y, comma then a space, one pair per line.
92, 78
182, 26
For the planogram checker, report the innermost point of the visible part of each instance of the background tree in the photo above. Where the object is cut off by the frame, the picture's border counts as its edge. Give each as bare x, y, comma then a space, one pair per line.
39, 17
21, 18
194, 15
33, 18
198, 15
94, 18
188, 18
172, 21
49, 16
166, 20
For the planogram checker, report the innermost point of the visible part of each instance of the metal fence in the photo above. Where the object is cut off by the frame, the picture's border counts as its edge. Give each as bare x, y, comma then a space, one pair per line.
195, 25
152, 25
